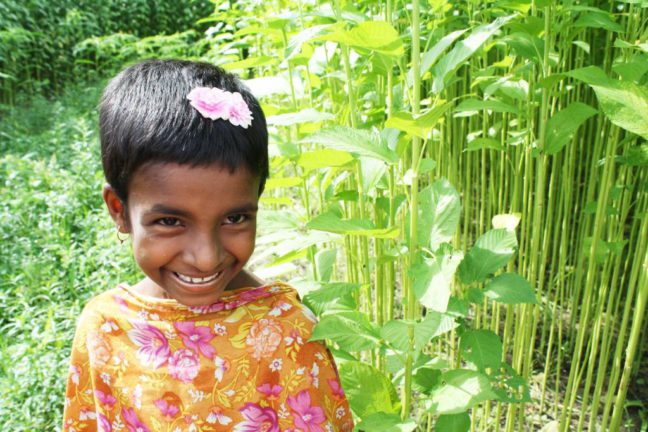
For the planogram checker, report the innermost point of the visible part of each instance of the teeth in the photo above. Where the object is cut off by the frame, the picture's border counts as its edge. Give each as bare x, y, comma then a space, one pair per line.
192, 280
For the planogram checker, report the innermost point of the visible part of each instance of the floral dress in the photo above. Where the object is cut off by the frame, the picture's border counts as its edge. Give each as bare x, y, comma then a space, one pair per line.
242, 364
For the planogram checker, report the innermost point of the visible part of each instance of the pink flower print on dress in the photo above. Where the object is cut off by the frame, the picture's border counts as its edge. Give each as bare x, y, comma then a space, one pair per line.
103, 424
221, 366
264, 338
168, 410
196, 338
270, 390
257, 419
75, 374
133, 423
306, 417
216, 415
214, 103
336, 389
184, 365
153, 345
99, 349
108, 400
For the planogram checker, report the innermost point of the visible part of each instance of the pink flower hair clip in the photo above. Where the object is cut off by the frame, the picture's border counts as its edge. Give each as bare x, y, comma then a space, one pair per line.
214, 103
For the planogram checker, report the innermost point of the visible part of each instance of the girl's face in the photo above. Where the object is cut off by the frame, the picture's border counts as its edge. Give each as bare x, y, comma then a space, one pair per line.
192, 228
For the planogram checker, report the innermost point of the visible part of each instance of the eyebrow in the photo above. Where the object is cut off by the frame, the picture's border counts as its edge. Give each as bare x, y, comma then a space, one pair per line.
161, 208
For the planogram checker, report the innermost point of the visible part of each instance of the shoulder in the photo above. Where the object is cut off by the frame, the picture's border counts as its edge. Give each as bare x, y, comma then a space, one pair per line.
98, 307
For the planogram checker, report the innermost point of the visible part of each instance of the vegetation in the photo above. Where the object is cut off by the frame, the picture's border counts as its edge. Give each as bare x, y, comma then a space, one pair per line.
459, 190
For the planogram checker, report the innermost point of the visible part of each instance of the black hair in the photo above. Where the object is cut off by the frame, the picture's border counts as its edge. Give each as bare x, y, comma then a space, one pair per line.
145, 117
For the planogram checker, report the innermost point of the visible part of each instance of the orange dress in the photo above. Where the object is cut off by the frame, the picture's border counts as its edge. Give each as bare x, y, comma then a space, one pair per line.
242, 364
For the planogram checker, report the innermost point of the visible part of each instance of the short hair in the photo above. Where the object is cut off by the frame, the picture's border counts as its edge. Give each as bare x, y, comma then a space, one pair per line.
145, 117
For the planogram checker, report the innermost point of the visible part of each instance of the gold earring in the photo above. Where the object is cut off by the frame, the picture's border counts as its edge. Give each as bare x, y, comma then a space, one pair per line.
121, 240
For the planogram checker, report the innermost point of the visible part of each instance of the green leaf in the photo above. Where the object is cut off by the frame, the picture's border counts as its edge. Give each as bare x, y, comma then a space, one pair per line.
368, 390
598, 19
483, 348
329, 295
307, 115
526, 45
624, 103
433, 279
325, 260
492, 251
324, 158
426, 374
463, 50
430, 57
439, 214
562, 126
510, 288
349, 329
250, 62
331, 222
508, 385
461, 389
433, 325
282, 182
453, 423
378, 36
353, 140
396, 332
420, 126
385, 422
295, 43
484, 143
471, 107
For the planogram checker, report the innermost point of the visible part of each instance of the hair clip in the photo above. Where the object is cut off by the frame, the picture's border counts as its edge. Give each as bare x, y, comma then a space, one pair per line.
214, 103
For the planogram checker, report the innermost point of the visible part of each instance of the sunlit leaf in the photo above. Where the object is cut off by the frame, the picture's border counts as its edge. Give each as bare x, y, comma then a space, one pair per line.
351, 330
324, 158
433, 279
331, 222
483, 348
434, 324
378, 36
510, 288
385, 422
463, 50
337, 293
624, 103
461, 390
368, 390
474, 106
352, 140
439, 213
492, 251
304, 116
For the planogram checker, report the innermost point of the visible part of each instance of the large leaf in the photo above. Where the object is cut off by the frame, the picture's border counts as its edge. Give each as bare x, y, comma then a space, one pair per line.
624, 103
421, 125
331, 222
453, 423
510, 288
562, 126
492, 251
397, 333
509, 385
433, 278
439, 214
461, 390
433, 325
307, 115
368, 390
483, 348
385, 422
351, 330
378, 36
353, 140
463, 50
430, 57
324, 158
329, 295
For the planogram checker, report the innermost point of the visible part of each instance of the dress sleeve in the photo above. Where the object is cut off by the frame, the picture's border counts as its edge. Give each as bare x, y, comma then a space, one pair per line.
79, 411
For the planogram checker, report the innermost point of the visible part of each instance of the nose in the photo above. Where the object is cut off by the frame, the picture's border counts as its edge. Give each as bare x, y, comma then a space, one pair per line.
205, 251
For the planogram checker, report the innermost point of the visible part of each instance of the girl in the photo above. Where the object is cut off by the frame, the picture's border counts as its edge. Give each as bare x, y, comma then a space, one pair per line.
198, 344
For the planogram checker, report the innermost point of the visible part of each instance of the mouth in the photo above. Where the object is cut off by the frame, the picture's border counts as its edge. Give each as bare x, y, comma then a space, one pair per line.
197, 280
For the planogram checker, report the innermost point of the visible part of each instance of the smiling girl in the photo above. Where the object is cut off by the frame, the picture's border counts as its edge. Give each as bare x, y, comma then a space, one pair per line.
199, 343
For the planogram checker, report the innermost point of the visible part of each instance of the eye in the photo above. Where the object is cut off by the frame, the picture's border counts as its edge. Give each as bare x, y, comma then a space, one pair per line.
236, 219
168, 221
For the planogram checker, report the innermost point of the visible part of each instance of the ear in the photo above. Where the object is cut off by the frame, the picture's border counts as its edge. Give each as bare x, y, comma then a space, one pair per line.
116, 208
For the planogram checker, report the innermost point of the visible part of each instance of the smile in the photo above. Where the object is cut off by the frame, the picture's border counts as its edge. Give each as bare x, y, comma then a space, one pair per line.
196, 281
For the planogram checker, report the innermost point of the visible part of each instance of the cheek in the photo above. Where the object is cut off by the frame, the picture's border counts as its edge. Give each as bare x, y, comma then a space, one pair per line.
241, 245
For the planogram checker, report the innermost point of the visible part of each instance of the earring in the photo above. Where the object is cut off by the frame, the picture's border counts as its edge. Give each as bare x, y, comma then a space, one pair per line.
121, 240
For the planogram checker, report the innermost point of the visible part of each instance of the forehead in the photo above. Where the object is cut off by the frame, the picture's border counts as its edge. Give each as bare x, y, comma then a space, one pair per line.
192, 187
